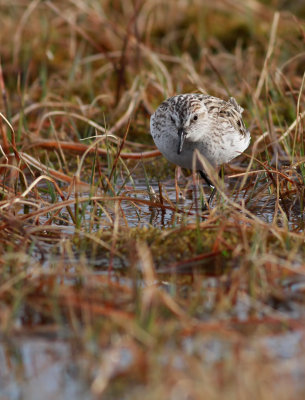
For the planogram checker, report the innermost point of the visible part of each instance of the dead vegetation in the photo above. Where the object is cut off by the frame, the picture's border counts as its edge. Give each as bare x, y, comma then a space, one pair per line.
102, 264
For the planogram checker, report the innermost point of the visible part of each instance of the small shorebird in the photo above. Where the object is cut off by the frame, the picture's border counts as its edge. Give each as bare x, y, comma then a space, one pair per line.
186, 122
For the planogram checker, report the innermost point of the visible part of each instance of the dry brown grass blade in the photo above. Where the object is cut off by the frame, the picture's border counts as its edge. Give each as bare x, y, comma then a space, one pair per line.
20, 27
66, 203
5, 146
29, 160
117, 156
77, 28
151, 293
20, 198
72, 115
270, 49
290, 129
48, 104
81, 148
4, 136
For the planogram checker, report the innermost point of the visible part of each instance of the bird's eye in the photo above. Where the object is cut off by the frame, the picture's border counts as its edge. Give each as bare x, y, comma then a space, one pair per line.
195, 117
172, 119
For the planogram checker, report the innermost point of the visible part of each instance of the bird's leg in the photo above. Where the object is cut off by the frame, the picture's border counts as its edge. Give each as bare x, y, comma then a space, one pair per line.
204, 176
214, 190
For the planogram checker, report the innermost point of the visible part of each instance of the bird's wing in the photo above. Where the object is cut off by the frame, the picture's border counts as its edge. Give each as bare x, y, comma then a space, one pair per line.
231, 112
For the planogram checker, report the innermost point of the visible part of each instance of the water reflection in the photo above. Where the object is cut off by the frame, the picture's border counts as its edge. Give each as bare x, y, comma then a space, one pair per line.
41, 368
259, 202
35, 369
190, 200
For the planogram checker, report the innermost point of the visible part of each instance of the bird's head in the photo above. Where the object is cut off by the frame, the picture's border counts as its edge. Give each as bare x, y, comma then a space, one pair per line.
188, 119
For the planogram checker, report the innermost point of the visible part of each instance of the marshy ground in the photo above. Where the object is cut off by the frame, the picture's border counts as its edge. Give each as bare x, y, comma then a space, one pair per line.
113, 283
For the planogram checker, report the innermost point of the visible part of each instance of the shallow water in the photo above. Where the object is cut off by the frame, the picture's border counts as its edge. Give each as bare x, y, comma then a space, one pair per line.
189, 202
39, 368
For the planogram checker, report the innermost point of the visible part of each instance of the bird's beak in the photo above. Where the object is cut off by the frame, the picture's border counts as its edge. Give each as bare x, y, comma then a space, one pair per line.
182, 135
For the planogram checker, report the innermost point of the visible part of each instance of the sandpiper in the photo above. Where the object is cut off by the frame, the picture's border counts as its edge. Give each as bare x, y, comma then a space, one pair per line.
186, 122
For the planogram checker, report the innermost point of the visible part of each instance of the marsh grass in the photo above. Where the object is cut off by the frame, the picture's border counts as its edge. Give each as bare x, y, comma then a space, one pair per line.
108, 269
